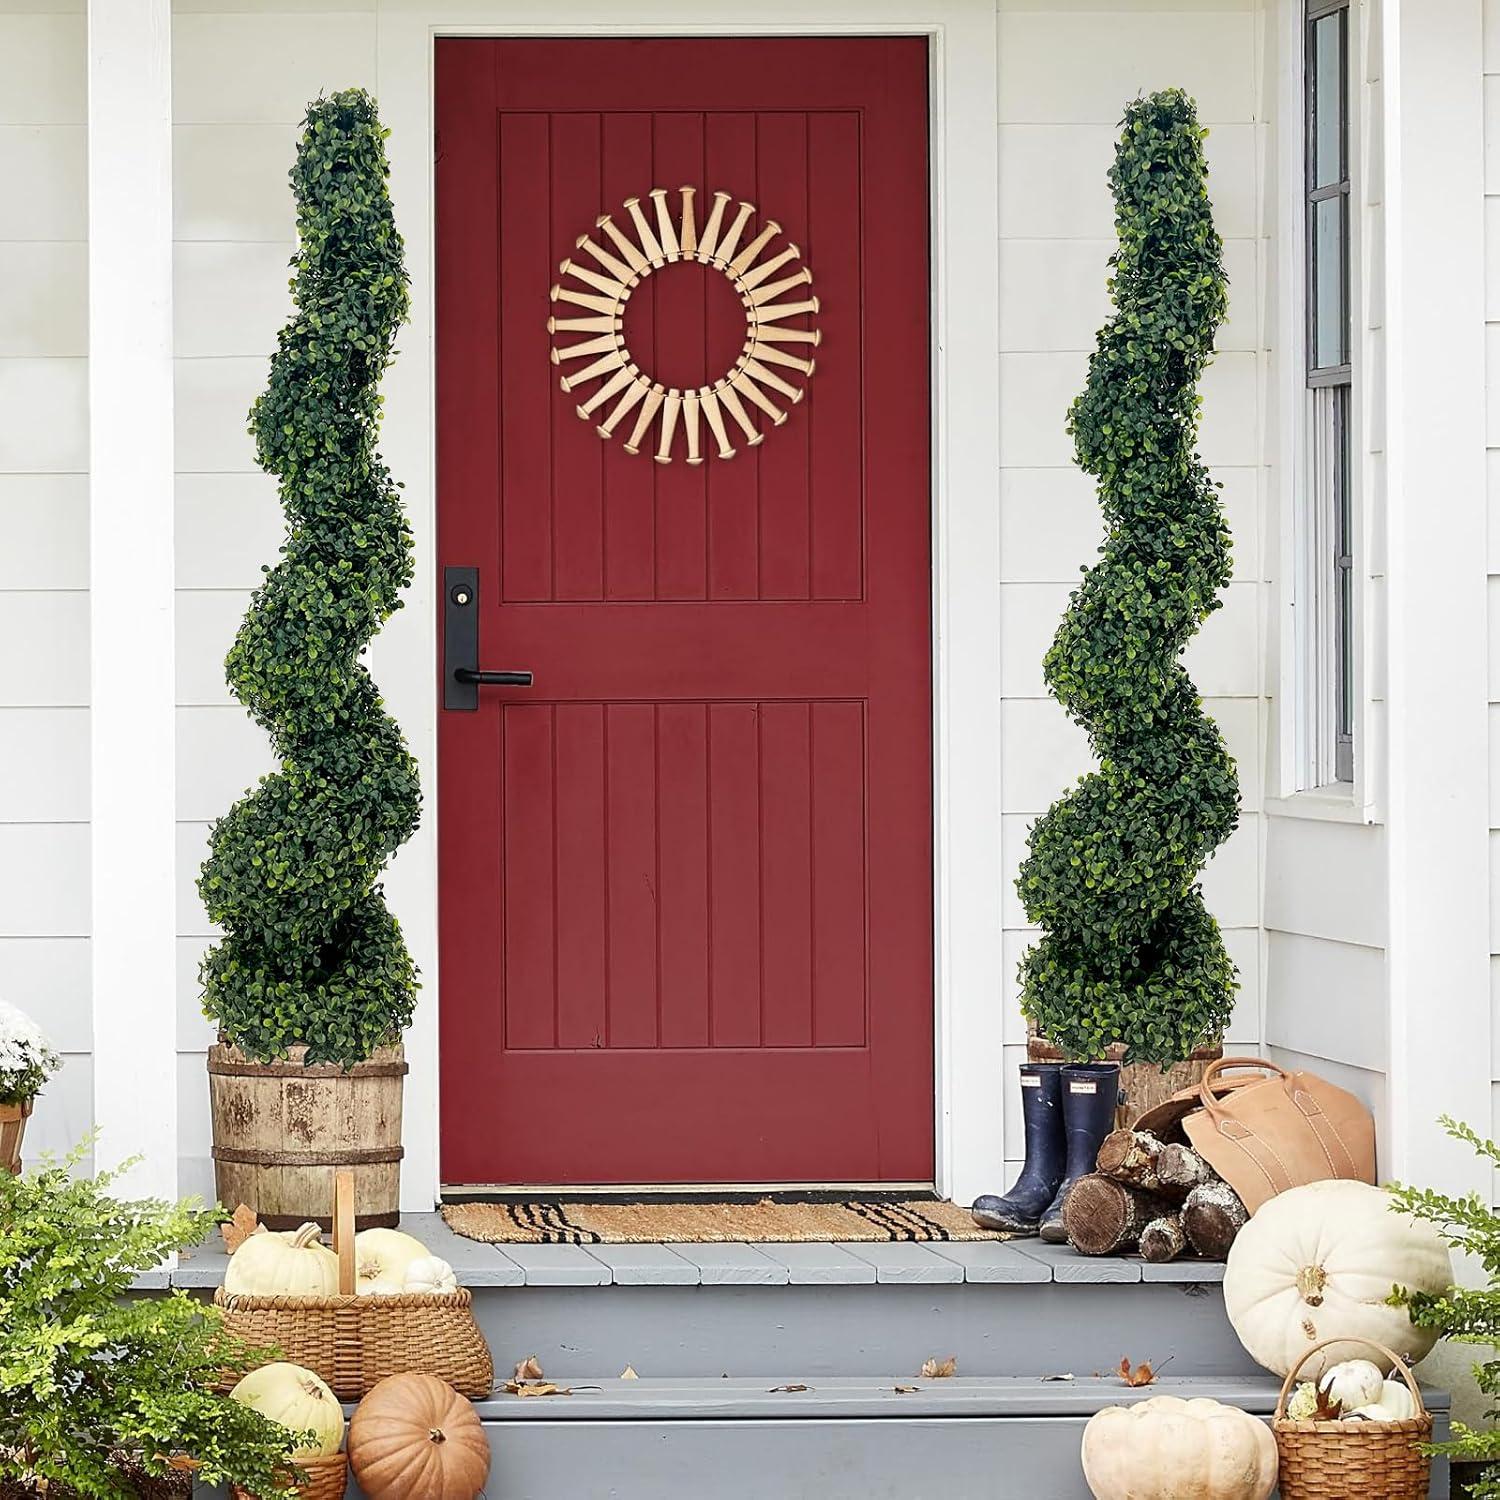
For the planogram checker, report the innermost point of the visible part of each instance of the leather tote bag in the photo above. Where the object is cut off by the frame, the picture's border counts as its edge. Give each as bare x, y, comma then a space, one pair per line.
1279, 1131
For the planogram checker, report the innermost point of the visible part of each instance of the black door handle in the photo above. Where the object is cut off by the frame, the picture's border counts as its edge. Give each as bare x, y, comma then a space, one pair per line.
491, 679
462, 676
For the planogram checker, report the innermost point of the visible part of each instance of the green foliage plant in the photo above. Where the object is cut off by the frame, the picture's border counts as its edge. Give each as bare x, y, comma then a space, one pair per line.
311, 955
88, 1373
1129, 952
1468, 1315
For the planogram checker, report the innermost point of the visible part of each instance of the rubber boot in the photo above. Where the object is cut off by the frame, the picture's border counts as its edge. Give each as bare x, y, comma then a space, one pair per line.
1090, 1095
1021, 1209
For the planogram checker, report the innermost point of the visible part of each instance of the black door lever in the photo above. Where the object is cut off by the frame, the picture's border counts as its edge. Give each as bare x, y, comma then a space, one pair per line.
462, 676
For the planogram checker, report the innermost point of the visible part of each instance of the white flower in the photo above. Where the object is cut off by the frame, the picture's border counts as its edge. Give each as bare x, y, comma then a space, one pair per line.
27, 1058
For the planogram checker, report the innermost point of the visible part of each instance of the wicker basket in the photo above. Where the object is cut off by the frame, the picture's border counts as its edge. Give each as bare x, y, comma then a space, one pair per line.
1345, 1460
327, 1479
355, 1342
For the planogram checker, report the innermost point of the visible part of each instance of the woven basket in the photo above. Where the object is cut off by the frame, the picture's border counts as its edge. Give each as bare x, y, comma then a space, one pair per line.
327, 1479
355, 1342
1345, 1460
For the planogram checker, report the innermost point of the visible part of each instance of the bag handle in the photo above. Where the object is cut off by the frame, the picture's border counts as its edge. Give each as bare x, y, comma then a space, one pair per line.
1214, 1069
343, 1228
1390, 1354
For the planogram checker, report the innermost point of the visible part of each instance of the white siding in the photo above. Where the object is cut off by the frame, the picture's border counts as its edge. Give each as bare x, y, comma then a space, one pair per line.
1066, 73
1492, 443
44, 786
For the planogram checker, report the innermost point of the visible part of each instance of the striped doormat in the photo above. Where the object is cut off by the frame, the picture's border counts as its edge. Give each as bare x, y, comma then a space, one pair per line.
766, 1222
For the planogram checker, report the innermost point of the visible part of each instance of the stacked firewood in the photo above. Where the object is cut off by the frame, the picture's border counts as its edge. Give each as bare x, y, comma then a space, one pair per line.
1160, 1198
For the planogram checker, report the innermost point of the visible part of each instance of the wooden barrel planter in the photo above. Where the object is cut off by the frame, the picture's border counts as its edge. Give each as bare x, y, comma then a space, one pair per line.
13, 1119
1144, 1084
281, 1130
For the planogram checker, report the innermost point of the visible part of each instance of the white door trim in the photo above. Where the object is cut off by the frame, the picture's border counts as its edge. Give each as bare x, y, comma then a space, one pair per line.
966, 515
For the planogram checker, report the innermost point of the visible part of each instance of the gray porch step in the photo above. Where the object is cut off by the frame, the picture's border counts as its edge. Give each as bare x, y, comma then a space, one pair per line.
960, 1439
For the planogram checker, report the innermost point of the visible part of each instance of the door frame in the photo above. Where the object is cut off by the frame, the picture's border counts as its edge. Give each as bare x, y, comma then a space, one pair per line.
970, 983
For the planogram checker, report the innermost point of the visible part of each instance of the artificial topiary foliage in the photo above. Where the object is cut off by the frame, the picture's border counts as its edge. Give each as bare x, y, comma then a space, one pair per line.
1129, 952
310, 952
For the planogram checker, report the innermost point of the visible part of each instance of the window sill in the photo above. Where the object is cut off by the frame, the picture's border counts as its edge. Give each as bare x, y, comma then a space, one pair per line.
1324, 804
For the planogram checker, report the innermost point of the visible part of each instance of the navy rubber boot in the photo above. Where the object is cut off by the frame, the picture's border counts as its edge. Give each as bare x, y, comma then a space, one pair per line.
1090, 1095
1021, 1209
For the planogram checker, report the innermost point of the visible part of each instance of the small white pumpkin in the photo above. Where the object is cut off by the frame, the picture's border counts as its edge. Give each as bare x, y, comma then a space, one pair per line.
298, 1400
1395, 1404
1318, 1262
1166, 1448
1354, 1383
430, 1273
381, 1259
294, 1264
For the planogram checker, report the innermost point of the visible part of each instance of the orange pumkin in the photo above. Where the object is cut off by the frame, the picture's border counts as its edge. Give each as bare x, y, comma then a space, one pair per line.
415, 1435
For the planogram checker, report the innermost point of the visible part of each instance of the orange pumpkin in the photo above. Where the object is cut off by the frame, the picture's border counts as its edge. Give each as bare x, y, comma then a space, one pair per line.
415, 1435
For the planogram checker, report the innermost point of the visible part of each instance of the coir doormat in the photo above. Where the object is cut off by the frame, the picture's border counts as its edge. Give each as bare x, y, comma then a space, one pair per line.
766, 1222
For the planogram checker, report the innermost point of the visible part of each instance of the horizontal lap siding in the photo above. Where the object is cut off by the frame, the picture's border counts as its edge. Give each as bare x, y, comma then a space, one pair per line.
1066, 73
1492, 440
44, 561
242, 77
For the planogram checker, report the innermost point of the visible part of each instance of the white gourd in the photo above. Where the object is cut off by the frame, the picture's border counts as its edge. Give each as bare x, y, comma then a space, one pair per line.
1395, 1404
294, 1264
1354, 1383
298, 1400
1318, 1262
1167, 1448
430, 1273
381, 1258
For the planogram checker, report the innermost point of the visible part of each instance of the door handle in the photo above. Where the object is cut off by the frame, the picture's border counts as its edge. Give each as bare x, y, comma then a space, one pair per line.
462, 676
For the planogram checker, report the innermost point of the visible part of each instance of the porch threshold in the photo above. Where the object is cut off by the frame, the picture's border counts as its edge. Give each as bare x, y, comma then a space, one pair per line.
867, 1263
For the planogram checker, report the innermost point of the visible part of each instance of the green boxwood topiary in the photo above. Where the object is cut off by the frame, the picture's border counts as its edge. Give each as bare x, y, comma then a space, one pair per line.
310, 952
1130, 953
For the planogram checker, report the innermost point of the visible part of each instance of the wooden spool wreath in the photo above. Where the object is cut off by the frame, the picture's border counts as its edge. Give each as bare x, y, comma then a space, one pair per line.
751, 380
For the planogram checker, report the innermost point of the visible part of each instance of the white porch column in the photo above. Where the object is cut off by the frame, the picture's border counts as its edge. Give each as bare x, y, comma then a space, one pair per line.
131, 579
1435, 550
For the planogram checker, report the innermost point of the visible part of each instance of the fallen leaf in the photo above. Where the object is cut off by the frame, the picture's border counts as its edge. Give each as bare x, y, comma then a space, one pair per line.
628, 1373
936, 1369
238, 1228
1142, 1374
529, 1369
906, 1390
775, 1388
535, 1388
1068, 1376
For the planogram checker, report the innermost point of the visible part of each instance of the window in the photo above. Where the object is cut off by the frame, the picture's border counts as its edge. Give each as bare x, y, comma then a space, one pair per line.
1329, 530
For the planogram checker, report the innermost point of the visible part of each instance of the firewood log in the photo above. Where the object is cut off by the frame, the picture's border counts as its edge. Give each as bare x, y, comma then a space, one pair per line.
1212, 1216
1131, 1156
1102, 1216
1163, 1239
1181, 1169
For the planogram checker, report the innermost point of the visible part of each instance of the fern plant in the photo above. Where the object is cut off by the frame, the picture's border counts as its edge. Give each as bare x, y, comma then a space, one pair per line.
310, 952
1130, 952
1468, 1315
93, 1380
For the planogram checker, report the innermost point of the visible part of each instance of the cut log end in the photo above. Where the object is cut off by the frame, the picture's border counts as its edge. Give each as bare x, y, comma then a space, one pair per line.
1211, 1217
1104, 1217
1163, 1239
1181, 1169
1131, 1156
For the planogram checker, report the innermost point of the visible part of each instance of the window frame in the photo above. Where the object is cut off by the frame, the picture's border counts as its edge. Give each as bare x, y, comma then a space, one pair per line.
1330, 592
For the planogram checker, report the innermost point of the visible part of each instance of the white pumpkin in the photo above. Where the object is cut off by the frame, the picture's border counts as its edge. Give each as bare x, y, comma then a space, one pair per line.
1355, 1382
1395, 1404
1318, 1262
298, 1400
381, 1259
430, 1273
1167, 1448
294, 1264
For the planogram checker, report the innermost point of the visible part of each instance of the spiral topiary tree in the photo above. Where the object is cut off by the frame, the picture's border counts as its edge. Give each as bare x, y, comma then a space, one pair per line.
1129, 951
310, 952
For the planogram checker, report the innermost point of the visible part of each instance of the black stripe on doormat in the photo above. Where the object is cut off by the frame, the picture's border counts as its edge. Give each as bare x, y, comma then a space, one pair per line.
549, 1224
896, 1221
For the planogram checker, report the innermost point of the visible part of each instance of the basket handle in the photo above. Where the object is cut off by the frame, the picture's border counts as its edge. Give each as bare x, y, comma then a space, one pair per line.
1211, 1078
343, 1228
1390, 1354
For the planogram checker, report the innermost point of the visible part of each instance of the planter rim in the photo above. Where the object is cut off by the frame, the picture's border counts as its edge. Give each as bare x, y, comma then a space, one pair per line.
227, 1059
21, 1111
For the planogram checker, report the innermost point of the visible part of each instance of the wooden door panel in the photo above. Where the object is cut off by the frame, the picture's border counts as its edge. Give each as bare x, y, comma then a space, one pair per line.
685, 879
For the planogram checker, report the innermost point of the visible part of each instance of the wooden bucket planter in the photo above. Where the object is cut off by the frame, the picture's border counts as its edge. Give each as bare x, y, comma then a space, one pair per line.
13, 1119
281, 1130
1143, 1084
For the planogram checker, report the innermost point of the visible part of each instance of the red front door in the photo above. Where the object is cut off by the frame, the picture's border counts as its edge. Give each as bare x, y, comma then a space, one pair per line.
686, 877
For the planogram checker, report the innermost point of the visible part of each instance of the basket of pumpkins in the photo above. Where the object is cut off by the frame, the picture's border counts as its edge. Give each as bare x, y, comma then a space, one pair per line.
377, 1304
300, 1400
